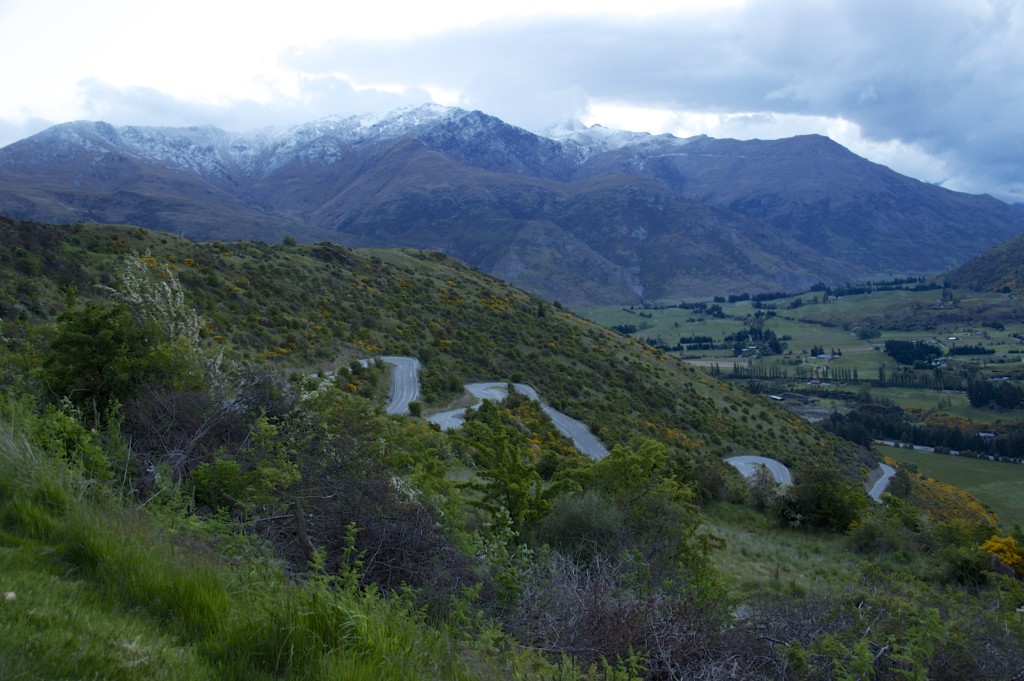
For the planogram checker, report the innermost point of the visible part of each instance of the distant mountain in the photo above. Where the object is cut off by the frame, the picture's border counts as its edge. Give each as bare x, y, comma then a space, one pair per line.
583, 215
825, 197
996, 269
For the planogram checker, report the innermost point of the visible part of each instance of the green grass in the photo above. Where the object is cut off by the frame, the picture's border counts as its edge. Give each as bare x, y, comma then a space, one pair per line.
58, 626
1000, 486
307, 307
102, 591
760, 556
952, 401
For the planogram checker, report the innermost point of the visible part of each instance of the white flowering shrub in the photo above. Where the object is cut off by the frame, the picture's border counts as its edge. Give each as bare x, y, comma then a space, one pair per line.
154, 293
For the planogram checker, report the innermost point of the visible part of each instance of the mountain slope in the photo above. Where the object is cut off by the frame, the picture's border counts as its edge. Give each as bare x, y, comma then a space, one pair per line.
591, 216
998, 268
320, 304
827, 198
612, 237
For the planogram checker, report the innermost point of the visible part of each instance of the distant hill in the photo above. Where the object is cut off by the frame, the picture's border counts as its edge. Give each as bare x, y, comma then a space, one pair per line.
996, 269
584, 216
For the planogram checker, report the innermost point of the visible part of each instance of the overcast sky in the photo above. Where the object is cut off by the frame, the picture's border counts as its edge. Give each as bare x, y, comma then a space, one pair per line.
931, 88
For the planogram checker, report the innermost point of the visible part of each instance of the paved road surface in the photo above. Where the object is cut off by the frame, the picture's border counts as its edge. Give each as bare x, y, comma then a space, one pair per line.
570, 427
449, 420
577, 432
876, 490
748, 463
405, 382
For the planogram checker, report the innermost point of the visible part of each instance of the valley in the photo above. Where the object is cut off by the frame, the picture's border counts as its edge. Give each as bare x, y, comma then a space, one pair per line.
829, 358
215, 402
425, 395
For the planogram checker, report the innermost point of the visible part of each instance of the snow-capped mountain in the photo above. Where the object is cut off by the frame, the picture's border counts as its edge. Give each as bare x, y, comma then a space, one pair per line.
597, 139
470, 136
581, 214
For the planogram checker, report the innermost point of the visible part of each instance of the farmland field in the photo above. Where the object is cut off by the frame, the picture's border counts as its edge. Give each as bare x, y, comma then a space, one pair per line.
1000, 486
851, 332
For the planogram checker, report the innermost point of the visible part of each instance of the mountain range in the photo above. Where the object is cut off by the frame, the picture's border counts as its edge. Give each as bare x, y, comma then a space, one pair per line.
582, 215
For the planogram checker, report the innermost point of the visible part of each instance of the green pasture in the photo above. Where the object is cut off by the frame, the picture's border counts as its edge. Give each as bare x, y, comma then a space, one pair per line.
894, 315
761, 556
953, 402
1000, 486
671, 324
877, 305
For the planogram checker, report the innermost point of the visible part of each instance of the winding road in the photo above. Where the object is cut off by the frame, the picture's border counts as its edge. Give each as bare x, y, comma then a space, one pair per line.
405, 388
748, 463
876, 490
405, 383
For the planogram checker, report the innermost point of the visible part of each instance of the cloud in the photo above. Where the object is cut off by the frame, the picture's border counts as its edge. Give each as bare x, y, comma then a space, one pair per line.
929, 87
937, 76
316, 97
12, 131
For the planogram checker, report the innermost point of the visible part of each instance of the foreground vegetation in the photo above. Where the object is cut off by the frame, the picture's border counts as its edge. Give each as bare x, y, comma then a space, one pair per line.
186, 493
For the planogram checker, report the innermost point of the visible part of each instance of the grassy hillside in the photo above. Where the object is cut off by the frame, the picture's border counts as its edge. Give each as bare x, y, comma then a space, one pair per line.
999, 268
98, 589
209, 502
322, 305
997, 485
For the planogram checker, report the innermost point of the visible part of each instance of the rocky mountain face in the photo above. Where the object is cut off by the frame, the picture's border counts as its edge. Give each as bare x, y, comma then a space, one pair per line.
582, 215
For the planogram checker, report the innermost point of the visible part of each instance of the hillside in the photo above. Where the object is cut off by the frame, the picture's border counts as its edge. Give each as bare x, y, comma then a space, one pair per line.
198, 480
999, 268
587, 216
827, 198
322, 305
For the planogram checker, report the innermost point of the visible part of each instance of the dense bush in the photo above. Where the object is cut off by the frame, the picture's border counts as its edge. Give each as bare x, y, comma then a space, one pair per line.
821, 496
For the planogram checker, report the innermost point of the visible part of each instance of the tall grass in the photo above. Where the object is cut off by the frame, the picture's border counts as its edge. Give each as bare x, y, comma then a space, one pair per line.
104, 591
761, 557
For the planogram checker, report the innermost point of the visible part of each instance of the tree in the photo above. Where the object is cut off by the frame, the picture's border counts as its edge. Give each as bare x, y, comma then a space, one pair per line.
511, 481
763, 488
821, 497
662, 518
100, 352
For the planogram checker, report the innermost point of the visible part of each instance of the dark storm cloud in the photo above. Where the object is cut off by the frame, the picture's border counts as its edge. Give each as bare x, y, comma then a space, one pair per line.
944, 75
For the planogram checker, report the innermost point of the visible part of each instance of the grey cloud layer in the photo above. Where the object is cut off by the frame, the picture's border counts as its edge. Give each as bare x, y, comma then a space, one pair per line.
943, 74
321, 96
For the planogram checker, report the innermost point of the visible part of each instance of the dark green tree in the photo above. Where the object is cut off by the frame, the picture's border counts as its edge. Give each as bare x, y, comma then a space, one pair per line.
821, 497
101, 352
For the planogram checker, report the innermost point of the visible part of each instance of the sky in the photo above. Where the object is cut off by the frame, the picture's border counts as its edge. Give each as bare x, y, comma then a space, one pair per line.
931, 88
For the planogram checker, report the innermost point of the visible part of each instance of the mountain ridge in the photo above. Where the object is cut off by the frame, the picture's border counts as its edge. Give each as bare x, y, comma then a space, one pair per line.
795, 211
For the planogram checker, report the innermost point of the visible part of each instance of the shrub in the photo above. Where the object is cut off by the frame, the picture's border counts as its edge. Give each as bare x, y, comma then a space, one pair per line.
821, 497
583, 525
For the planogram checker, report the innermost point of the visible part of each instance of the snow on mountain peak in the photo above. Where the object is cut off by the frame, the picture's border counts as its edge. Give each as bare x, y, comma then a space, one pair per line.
233, 157
596, 139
